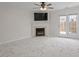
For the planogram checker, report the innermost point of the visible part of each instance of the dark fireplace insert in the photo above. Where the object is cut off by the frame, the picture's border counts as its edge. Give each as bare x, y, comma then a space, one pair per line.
40, 31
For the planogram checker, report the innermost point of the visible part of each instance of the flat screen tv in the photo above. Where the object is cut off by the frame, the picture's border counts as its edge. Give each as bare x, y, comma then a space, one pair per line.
40, 16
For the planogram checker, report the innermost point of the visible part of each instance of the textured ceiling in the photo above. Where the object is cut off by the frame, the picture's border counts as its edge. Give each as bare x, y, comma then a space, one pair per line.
30, 5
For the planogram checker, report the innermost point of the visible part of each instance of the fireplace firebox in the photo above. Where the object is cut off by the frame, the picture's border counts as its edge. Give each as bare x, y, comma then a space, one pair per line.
40, 31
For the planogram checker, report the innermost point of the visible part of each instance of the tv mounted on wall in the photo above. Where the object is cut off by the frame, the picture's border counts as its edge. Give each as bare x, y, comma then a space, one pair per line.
40, 16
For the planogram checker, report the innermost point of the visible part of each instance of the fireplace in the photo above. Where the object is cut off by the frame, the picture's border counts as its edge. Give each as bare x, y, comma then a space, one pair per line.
40, 31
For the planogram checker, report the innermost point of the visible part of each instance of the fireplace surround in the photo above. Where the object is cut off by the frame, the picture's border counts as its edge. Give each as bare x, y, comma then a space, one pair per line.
37, 26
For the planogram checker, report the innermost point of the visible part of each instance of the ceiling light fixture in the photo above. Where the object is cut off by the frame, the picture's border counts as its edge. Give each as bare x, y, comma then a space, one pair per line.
43, 9
44, 6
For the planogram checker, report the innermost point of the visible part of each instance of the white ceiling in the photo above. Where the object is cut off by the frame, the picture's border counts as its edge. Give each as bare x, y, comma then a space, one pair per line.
61, 5
30, 5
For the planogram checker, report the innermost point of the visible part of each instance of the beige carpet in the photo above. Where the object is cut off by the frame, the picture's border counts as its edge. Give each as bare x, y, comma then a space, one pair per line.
41, 46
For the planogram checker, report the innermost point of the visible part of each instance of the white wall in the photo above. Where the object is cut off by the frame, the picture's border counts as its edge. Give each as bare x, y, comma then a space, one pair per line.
55, 21
15, 23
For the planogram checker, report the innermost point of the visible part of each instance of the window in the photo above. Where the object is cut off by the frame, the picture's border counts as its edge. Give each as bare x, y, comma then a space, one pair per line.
71, 26
72, 23
62, 24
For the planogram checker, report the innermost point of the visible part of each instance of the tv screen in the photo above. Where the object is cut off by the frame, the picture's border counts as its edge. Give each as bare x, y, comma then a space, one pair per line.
40, 16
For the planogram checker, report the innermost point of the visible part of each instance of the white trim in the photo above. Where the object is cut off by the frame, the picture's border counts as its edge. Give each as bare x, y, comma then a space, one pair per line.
14, 40
62, 32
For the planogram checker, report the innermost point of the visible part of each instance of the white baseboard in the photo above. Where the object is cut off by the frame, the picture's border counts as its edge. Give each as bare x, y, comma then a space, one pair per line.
14, 40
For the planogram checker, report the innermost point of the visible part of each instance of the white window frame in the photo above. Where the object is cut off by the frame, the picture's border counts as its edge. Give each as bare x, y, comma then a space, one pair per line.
67, 30
65, 24
69, 24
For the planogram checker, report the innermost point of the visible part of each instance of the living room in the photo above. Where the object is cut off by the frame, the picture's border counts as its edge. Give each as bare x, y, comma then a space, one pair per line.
39, 29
